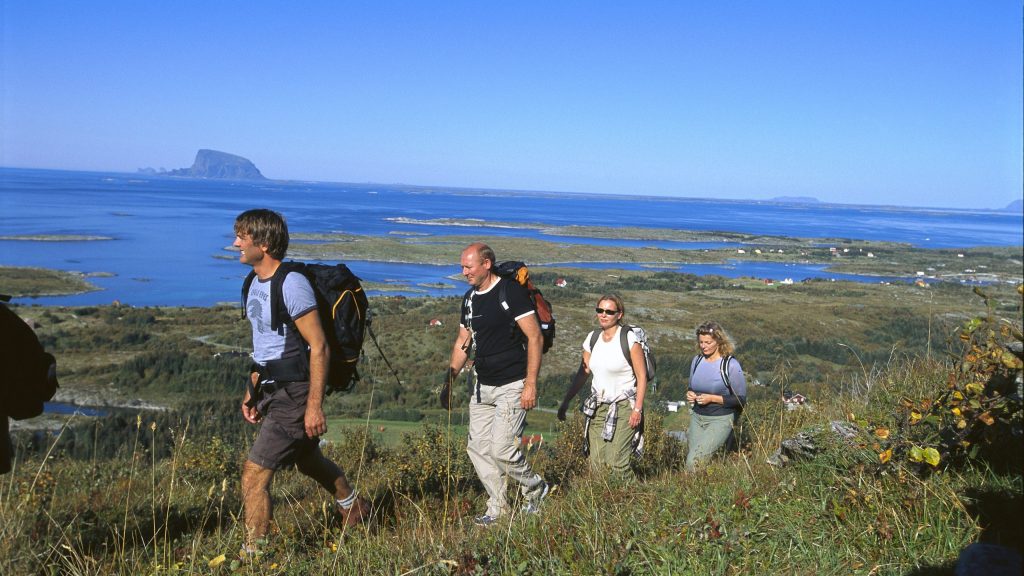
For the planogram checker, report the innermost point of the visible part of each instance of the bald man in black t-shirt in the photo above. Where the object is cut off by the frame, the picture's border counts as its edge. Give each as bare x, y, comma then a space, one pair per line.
506, 340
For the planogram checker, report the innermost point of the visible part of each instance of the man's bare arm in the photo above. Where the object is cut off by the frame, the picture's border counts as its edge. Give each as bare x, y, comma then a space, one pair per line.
319, 358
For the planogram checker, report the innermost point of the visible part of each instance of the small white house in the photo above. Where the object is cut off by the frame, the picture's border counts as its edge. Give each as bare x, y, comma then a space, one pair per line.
793, 400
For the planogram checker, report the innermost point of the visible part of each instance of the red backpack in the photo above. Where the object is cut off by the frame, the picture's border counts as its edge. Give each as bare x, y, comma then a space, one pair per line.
520, 273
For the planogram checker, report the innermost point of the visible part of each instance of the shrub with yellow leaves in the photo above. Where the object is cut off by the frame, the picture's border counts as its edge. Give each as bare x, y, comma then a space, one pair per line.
978, 413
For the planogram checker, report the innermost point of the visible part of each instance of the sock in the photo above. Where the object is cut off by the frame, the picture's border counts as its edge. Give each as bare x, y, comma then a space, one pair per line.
346, 503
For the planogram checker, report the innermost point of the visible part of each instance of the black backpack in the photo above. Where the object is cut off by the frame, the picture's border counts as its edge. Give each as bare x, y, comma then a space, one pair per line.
30, 373
343, 309
518, 272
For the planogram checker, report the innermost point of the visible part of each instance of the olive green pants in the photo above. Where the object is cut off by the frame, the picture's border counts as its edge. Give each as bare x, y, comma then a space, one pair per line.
611, 454
707, 434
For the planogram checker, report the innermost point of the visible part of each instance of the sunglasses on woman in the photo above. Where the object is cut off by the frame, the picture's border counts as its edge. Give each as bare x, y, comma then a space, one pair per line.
608, 312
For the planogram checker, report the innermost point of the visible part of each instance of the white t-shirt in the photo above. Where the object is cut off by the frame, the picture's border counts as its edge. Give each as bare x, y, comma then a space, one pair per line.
612, 373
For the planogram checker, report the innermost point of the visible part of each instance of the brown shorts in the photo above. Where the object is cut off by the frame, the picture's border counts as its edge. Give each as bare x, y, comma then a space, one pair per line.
282, 438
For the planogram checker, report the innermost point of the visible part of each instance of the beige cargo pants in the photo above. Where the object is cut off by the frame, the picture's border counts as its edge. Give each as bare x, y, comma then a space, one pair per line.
496, 422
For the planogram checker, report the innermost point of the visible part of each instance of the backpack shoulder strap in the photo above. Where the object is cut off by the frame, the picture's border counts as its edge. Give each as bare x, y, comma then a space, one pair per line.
723, 369
278, 311
467, 303
503, 292
624, 331
693, 365
503, 296
245, 290
594, 334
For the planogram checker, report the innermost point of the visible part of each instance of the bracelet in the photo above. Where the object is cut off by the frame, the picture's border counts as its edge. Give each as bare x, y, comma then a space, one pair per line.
637, 410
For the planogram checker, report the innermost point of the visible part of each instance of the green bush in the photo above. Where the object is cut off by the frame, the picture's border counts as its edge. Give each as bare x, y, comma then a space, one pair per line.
562, 460
662, 453
431, 462
206, 459
356, 449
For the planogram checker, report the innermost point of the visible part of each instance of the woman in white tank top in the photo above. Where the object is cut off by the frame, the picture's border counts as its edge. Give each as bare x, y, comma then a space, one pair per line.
617, 389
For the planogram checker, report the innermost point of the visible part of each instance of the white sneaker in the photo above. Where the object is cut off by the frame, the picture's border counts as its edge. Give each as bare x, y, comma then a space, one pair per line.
485, 520
532, 505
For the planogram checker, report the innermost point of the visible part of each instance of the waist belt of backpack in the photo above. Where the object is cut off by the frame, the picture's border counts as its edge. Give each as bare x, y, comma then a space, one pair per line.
276, 373
291, 369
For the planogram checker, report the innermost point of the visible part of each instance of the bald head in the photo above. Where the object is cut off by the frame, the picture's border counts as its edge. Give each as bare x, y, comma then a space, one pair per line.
477, 260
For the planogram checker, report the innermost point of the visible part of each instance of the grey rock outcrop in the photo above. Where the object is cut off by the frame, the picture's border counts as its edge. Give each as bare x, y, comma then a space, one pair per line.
220, 165
803, 446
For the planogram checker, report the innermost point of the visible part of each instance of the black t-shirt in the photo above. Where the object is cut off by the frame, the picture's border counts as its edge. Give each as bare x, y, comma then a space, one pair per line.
500, 348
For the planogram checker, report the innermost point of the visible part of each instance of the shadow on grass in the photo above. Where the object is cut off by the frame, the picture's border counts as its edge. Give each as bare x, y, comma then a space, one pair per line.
998, 514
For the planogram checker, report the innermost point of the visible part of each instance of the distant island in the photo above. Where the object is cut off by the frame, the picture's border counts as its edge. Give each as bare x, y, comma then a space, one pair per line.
1015, 206
214, 164
796, 200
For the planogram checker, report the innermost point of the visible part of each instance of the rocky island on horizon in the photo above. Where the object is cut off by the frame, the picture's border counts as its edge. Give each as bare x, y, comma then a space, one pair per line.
215, 164
796, 200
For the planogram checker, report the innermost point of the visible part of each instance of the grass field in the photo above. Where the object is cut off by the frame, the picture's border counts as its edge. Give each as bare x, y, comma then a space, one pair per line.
392, 433
934, 463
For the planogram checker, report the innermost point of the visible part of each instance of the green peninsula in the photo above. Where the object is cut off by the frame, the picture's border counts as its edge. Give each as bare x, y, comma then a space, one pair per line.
24, 281
846, 256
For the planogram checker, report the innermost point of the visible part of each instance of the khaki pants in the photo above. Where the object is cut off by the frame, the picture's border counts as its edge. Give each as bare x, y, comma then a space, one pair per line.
496, 422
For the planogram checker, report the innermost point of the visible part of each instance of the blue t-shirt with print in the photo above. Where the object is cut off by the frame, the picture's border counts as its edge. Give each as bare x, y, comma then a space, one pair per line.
284, 342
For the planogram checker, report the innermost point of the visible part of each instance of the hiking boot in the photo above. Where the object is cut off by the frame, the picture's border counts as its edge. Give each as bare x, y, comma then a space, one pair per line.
532, 505
357, 514
485, 520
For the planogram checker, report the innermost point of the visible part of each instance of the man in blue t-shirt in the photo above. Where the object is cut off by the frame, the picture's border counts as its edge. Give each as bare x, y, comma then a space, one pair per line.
506, 341
289, 378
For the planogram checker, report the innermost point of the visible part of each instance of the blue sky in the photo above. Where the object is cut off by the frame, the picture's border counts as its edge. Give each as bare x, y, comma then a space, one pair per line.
873, 102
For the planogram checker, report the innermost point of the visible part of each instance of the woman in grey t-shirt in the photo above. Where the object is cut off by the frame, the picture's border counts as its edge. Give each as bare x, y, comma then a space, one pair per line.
715, 405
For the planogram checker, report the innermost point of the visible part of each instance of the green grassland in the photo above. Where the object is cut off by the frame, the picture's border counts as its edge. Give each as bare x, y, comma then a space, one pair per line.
999, 264
814, 337
156, 491
391, 433
20, 281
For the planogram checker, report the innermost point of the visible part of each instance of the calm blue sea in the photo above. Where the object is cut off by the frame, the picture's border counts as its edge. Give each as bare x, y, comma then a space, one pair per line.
168, 236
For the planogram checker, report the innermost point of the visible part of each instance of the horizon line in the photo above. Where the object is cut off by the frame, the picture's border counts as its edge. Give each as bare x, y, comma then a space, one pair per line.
786, 200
